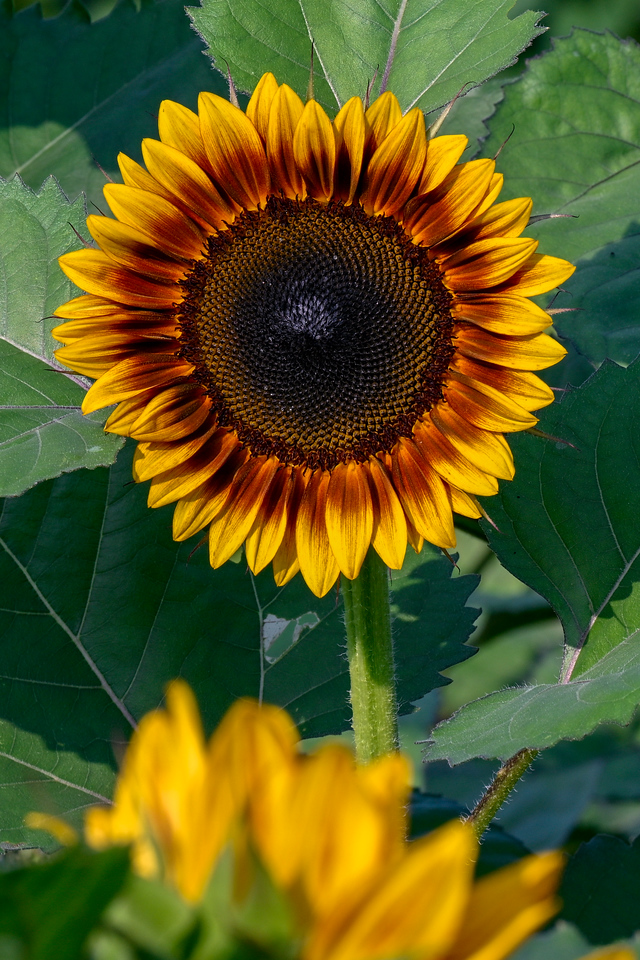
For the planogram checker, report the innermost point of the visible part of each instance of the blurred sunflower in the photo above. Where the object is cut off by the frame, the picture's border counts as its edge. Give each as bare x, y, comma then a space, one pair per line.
318, 331
328, 835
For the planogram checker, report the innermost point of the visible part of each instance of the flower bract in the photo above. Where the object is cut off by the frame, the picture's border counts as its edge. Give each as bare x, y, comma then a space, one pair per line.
318, 331
330, 836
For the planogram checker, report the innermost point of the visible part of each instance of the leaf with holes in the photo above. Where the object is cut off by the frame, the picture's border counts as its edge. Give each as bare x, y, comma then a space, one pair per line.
425, 51
73, 94
575, 118
42, 431
569, 527
100, 609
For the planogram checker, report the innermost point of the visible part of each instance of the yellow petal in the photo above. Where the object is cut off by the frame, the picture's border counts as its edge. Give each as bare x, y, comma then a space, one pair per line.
423, 495
488, 451
131, 248
314, 149
349, 128
230, 527
95, 272
153, 458
502, 313
198, 507
349, 516
450, 463
270, 524
381, 117
285, 114
389, 537
443, 154
62, 832
507, 906
486, 408
188, 182
285, 561
180, 128
418, 907
486, 263
133, 376
520, 353
234, 148
166, 226
539, 274
178, 481
317, 561
260, 103
396, 166
430, 223
173, 414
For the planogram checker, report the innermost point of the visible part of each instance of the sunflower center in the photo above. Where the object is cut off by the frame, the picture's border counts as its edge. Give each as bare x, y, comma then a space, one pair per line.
321, 334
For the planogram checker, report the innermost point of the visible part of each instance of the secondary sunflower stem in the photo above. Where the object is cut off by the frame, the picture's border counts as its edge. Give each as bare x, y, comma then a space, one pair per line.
370, 653
498, 791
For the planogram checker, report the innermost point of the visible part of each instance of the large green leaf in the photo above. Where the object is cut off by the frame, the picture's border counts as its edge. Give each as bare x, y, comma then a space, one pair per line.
575, 117
600, 889
427, 50
431, 624
568, 527
73, 94
99, 609
42, 431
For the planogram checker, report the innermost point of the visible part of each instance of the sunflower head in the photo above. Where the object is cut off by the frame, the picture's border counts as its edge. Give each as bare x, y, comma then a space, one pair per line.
317, 833
317, 331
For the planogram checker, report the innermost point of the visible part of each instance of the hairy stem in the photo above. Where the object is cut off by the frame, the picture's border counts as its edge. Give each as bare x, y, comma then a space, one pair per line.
500, 788
370, 653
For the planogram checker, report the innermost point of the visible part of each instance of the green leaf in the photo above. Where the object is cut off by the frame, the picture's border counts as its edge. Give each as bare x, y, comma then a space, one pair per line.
563, 942
576, 150
431, 626
470, 114
73, 94
569, 529
427, 50
539, 716
600, 889
52, 907
567, 525
100, 609
42, 431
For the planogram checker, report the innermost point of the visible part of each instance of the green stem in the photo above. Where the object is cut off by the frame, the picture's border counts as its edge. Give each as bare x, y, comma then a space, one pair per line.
498, 791
370, 653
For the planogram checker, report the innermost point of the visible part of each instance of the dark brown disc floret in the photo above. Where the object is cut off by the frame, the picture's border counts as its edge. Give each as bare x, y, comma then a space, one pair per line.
320, 333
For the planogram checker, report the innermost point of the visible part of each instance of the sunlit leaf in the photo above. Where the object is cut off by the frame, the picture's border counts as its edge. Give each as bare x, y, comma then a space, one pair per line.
425, 51
42, 431
575, 117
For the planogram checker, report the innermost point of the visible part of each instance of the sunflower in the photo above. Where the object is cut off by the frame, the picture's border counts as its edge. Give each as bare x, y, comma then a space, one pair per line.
326, 835
318, 332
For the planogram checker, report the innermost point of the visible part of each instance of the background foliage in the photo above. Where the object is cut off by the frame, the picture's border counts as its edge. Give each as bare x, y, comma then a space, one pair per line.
99, 608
